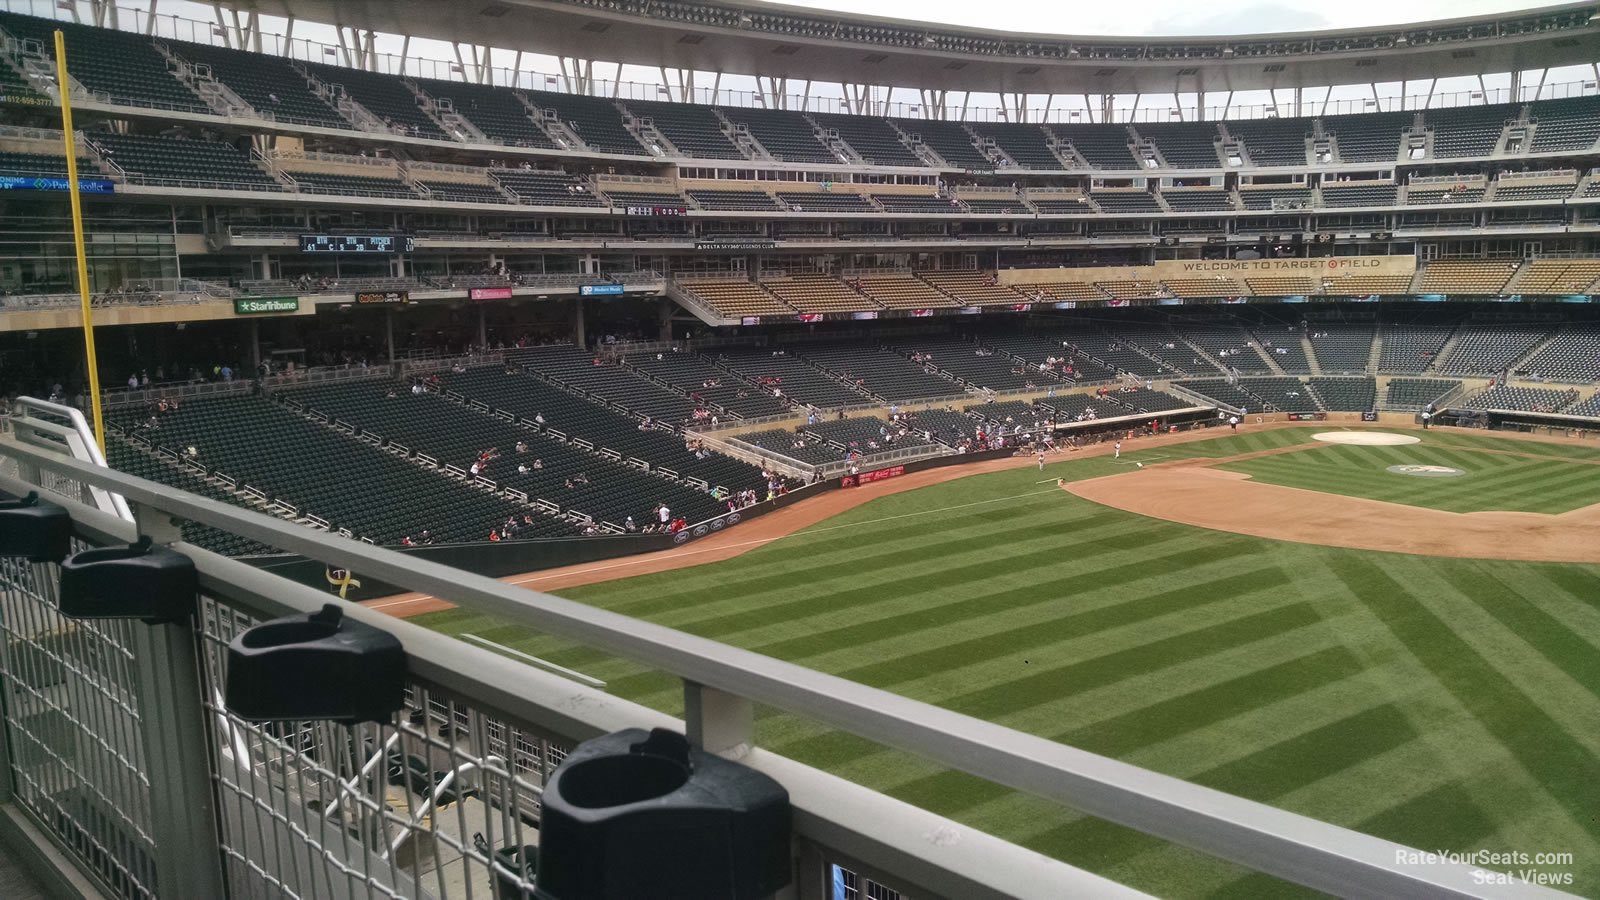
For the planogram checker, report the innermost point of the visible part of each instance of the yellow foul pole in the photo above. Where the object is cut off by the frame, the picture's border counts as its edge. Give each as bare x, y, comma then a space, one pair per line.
64, 92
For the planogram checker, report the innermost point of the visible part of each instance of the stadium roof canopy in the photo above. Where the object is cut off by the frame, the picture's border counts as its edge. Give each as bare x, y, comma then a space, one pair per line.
778, 41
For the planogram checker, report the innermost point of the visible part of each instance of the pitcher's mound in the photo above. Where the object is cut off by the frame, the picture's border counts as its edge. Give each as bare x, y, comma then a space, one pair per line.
1366, 438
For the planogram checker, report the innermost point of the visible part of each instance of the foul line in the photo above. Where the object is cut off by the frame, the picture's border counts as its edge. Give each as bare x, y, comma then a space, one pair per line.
529, 579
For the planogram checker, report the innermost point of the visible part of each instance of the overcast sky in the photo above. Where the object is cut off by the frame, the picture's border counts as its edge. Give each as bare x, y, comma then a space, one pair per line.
1166, 16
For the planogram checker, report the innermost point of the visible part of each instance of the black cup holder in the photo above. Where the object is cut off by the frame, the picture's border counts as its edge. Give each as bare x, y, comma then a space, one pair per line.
36, 531
621, 780
316, 666
633, 814
139, 581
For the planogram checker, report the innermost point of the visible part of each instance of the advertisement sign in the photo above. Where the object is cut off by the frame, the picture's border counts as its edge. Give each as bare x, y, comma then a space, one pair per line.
489, 293
383, 296
970, 310
809, 317
864, 314
874, 475
1369, 417
1308, 417
921, 313
599, 290
735, 244
29, 183
658, 211
255, 306
750, 320
1020, 307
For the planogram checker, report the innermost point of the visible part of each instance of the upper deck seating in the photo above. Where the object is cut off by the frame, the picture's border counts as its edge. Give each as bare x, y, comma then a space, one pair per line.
695, 130
384, 96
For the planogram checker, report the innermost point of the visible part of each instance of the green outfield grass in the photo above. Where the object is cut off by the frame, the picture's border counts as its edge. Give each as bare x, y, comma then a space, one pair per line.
1500, 475
1442, 703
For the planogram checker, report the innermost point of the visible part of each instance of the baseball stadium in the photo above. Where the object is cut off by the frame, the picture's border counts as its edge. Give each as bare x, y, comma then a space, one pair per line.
619, 449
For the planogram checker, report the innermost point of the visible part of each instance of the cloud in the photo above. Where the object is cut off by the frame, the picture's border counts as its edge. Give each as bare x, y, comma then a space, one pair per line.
1263, 19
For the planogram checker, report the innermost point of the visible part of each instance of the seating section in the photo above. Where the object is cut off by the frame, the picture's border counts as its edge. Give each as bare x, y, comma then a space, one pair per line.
1217, 286
124, 455
1369, 137
495, 111
874, 140
705, 383
1558, 276
1229, 346
796, 446
586, 419
1118, 202
1564, 125
1283, 285
1346, 394
695, 130
1435, 194
608, 490
749, 201
1101, 146
626, 197
336, 477
267, 83
1170, 349
1573, 356
462, 191
1407, 394
995, 205
46, 165
972, 288
1284, 347
786, 136
596, 121
1193, 201
884, 374
819, 201
1184, 145
1038, 350
1224, 392
1510, 191
1142, 400
390, 186
1487, 349
1452, 276
1062, 205
972, 364
545, 188
1411, 348
902, 292
816, 293
735, 297
950, 140
1273, 142
1342, 349
179, 163
918, 203
1359, 195
1589, 407
1266, 199
384, 96
1462, 131
1507, 396
786, 374
120, 64
1282, 394
864, 434
1027, 145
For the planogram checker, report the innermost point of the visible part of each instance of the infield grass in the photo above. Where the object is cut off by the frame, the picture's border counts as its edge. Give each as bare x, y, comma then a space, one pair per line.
1441, 703
1522, 477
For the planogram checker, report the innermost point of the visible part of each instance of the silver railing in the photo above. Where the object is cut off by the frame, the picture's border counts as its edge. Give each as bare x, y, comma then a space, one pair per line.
116, 742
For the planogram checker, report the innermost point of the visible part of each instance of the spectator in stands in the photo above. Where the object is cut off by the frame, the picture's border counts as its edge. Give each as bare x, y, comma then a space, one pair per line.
663, 514
494, 535
627, 524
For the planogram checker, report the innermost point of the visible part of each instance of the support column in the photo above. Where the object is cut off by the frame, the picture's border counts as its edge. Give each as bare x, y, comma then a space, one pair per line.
483, 325
664, 319
578, 337
255, 345
718, 722
388, 332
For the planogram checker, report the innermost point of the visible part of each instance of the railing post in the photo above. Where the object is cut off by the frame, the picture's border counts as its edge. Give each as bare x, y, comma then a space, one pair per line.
183, 808
718, 722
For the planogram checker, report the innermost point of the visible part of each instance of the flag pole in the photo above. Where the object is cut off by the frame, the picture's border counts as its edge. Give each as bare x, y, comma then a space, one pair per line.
64, 93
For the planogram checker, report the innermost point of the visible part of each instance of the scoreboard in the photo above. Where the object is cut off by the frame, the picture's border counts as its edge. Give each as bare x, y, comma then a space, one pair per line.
357, 243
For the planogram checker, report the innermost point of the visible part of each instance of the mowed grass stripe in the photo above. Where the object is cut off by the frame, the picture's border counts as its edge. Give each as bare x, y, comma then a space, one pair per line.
1076, 625
1160, 721
1265, 775
998, 700
1553, 639
1554, 758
